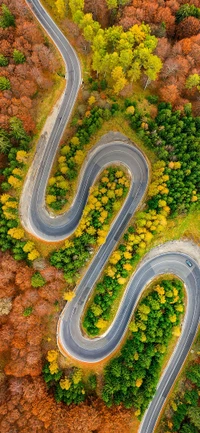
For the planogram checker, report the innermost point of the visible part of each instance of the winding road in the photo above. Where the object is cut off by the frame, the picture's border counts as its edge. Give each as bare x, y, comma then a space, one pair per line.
40, 223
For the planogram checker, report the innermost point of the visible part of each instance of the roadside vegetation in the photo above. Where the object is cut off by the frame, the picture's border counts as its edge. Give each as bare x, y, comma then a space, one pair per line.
182, 413
131, 378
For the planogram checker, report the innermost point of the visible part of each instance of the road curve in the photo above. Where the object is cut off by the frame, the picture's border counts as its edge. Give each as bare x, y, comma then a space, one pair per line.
36, 218
70, 338
38, 221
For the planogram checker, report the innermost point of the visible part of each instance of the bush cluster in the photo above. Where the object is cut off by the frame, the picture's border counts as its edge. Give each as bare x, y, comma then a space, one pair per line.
67, 388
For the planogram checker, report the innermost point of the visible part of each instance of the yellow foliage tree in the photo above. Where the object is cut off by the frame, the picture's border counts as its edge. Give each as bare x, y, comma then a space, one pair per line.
69, 243
172, 318
65, 383
179, 308
34, 254
50, 199
53, 367
121, 281
130, 109
75, 141
138, 382
101, 324
116, 256
133, 327
17, 171
52, 355
136, 356
101, 240
52, 181
91, 100
143, 337
61, 8
14, 182
4, 198
79, 157
28, 247
16, 233
127, 266
127, 255
21, 156
176, 331
68, 296
77, 376
137, 412
65, 149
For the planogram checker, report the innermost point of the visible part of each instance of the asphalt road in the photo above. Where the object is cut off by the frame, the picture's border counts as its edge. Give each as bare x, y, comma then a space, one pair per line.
41, 224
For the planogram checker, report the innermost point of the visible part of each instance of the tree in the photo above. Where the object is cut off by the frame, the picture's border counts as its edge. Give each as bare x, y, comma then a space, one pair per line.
17, 129
193, 81
194, 416
5, 143
68, 296
111, 4
76, 5
6, 19
16, 233
37, 280
188, 27
169, 93
3, 60
34, 254
187, 10
119, 80
18, 57
61, 7
4, 83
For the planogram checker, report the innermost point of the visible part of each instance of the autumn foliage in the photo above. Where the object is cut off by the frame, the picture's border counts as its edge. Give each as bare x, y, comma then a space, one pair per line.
25, 404
29, 65
177, 28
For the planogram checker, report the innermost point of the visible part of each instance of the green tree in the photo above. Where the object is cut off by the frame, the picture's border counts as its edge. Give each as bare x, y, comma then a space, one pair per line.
194, 416
37, 280
17, 129
112, 4
4, 83
6, 19
188, 428
5, 143
187, 10
193, 81
76, 5
27, 311
18, 57
3, 60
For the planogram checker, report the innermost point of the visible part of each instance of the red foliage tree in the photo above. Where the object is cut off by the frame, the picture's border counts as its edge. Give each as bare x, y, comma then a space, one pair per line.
188, 27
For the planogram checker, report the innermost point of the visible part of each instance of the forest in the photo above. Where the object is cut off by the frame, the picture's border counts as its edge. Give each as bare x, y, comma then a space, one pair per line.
141, 76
